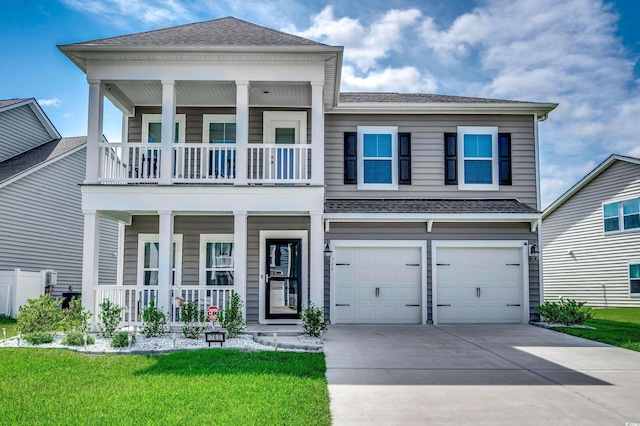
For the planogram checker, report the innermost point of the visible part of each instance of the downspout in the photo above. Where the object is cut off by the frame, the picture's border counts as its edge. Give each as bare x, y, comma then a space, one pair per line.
539, 204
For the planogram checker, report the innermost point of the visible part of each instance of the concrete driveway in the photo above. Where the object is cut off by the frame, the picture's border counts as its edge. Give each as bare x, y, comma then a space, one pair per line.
478, 374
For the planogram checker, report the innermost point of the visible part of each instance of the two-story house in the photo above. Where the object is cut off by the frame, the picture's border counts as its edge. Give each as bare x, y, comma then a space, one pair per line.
242, 167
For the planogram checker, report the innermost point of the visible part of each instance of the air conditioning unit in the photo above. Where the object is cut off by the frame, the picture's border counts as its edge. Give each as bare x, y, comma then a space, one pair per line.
50, 279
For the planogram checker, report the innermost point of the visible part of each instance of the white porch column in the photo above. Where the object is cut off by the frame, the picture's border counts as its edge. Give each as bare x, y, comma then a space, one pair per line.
240, 257
168, 130
242, 131
317, 133
94, 130
165, 260
316, 254
90, 251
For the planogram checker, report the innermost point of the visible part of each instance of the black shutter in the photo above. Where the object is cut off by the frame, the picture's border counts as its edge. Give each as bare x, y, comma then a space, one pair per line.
450, 158
504, 158
404, 158
350, 158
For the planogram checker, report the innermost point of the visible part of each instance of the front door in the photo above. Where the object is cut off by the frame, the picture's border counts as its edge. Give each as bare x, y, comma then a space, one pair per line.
283, 289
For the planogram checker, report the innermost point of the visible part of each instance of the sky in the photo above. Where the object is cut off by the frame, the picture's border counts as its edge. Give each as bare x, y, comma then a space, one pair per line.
582, 54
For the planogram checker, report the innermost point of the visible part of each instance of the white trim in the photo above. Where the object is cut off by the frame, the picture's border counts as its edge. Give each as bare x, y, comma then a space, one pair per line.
303, 235
629, 263
271, 120
214, 238
41, 165
120, 264
444, 108
391, 130
155, 238
421, 244
181, 120
207, 119
522, 244
537, 154
495, 176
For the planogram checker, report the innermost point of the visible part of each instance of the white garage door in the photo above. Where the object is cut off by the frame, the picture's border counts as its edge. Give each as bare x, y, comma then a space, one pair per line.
377, 285
479, 285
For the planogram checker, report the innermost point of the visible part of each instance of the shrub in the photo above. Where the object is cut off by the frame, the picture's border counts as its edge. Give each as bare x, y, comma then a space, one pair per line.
39, 338
154, 321
76, 338
195, 321
121, 339
567, 312
314, 323
41, 314
231, 318
110, 316
76, 316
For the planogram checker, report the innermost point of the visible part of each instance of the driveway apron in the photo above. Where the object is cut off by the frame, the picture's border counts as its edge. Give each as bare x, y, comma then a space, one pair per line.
477, 374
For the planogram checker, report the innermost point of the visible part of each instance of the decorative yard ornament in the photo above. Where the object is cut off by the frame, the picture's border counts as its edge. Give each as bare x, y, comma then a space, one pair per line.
212, 313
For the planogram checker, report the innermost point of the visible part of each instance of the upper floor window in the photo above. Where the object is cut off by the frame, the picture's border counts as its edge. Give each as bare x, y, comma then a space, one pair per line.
216, 259
152, 128
621, 216
218, 128
378, 162
478, 166
284, 127
634, 278
149, 259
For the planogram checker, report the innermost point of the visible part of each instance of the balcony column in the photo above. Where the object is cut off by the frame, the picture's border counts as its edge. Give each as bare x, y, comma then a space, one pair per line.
94, 130
165, 260
316, 254
240, 257
242, 131
90, 260
317, 133
168, 131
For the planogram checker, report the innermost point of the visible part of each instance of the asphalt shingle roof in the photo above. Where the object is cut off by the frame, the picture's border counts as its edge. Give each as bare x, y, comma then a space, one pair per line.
38, 155
422, 98
426, 206
9, 102
217, 32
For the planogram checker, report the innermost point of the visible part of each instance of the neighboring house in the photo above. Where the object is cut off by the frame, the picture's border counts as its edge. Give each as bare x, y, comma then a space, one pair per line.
241, 153
41, 221
591, 238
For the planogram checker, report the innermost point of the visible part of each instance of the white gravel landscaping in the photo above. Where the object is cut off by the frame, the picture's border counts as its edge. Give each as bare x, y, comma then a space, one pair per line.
153, 344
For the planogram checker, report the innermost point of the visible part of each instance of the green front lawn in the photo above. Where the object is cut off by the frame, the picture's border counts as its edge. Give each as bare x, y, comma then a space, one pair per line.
44, 386
614, 326
10, 324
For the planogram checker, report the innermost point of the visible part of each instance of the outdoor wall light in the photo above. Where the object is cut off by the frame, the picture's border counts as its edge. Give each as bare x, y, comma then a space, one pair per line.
327, 252
534, 253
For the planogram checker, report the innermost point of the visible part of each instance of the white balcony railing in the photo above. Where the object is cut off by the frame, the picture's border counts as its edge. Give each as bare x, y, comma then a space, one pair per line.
203, 163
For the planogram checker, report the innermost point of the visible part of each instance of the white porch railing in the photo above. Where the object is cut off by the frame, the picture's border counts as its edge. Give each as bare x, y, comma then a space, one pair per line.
271, 163
129, 162
134, 299
204, 163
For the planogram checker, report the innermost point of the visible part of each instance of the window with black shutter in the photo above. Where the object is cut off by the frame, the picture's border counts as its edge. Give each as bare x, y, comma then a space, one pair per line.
504, 158
350, 158
404, 158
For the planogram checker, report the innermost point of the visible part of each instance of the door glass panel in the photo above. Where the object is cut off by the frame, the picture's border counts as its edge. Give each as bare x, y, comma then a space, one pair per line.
283, 282
285, 135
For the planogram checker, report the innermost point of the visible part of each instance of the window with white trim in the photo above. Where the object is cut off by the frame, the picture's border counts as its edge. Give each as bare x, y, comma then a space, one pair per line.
216, 259
478, 158
377, 157
218, 128
284, 127
152, 128
634, 278
621, 216
149, 259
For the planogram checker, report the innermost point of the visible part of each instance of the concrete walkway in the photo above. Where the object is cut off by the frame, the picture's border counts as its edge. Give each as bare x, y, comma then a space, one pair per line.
478, 374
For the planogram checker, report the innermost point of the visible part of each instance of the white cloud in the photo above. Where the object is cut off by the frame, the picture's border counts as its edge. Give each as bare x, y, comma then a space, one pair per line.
54, 102
149, 12
405, 79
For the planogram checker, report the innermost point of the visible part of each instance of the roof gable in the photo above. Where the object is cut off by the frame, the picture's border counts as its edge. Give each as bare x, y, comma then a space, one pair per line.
587, 179
8, 104
227, 31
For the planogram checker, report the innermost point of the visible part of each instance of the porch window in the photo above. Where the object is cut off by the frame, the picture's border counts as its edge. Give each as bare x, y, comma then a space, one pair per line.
216, 259
220, 130
284, 127
152, 128
149, 259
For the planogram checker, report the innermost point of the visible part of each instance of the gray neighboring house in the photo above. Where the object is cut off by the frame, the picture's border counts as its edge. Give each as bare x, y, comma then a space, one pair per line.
41, 221
591, 238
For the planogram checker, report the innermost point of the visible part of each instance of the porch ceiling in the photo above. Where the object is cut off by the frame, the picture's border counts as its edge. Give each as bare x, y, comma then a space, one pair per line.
209, 93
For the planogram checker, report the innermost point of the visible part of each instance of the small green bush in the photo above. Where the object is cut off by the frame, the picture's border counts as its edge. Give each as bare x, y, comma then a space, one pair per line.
231, 318
121, 340
110, 317
76, 316
41, 314
567, 312
314, 323
76, 338
154, 321
195, 321
39, 337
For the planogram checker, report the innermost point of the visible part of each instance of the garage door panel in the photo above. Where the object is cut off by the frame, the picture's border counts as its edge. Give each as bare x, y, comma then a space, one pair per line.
344, 313
344, 274
345, 295
365, 313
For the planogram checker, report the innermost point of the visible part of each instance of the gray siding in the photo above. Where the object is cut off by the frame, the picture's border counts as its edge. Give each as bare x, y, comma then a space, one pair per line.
20, 131
41, 225
596, 270
427, 155
440, 231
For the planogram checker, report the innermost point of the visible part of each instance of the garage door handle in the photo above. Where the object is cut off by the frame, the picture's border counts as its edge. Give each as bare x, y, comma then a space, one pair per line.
443, 264
444, 305
411, 305
513, 304
513, 264
342, 304
342, 264
412, 264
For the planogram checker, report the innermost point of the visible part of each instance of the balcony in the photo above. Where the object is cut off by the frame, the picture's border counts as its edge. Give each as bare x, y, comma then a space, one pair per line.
140, 163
